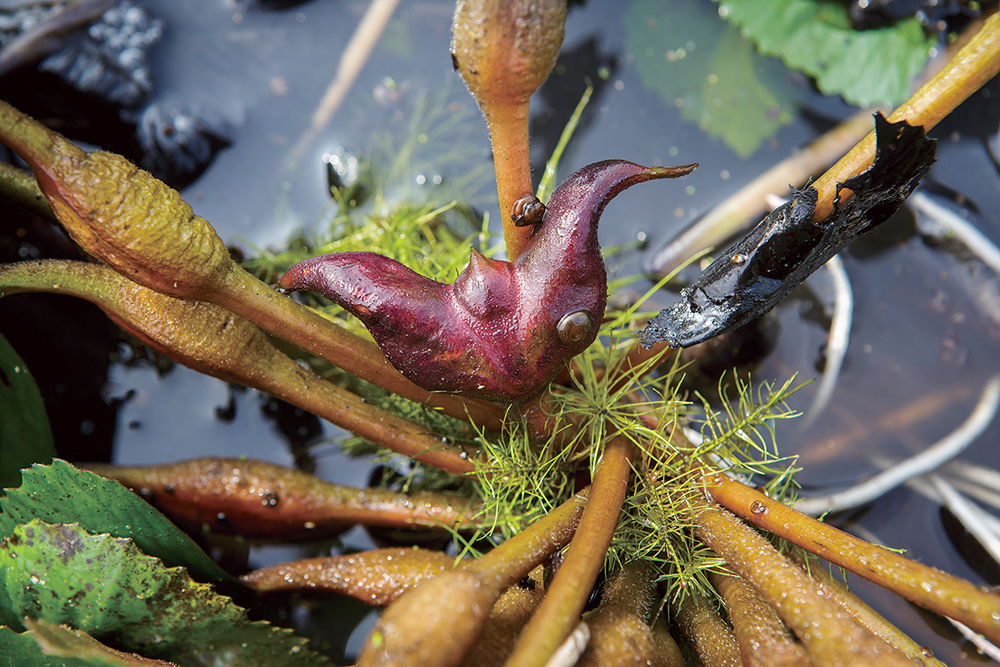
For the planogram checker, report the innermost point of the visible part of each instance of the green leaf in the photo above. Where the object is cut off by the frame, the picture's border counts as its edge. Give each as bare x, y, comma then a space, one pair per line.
104, 586
709, 73
61, 493
48, 645
25, 436
865, 67
20, 650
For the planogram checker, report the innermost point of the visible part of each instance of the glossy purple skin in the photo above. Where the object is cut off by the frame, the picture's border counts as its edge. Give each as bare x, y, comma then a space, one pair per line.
494, 333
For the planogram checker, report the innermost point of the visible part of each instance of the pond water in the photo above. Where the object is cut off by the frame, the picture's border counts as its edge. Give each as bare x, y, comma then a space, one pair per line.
924, 338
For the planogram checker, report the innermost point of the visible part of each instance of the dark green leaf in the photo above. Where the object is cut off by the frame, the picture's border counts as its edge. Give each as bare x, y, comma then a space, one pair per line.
25, 436
20, 650
106, 587
61, 493
708, 72
50, 645
865, 67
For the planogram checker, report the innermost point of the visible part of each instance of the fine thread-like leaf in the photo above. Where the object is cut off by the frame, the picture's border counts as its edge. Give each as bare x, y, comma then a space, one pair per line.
61, 493
104, 586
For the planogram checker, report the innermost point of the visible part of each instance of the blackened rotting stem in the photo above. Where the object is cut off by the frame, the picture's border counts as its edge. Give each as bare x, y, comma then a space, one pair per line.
763, 267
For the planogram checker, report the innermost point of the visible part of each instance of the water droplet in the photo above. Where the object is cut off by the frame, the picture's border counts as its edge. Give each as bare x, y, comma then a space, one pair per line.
926, 652
757, 507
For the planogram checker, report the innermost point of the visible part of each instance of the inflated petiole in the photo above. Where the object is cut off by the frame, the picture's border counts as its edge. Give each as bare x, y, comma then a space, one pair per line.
503, 329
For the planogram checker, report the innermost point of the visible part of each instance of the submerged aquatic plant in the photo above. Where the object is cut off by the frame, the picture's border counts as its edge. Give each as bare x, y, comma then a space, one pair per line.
601, 461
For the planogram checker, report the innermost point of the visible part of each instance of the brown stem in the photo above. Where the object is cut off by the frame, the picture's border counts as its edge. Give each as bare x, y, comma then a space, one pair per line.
262, 501
436, 623
619, 630
560, 611
707, 633
144, 230
975, 606
864, 614
22, 187
504, 50
667, 651
973, 66
750, 202
212, 340
762, 636
513, 609
375, 577
828, 633
509, 135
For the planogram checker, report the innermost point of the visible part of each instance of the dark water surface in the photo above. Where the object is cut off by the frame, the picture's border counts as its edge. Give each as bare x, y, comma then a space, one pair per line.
923, 341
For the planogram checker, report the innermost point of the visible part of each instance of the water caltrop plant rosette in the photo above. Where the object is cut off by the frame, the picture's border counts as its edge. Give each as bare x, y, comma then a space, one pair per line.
593, 527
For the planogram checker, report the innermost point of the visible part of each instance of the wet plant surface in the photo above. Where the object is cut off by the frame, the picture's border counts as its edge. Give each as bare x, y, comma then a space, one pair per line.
923, 340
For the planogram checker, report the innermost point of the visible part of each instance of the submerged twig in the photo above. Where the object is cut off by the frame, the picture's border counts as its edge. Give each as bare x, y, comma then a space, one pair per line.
932, 457
954, 225
751, 201
352, 60
839, 337
570, 650
971, 516
982, 644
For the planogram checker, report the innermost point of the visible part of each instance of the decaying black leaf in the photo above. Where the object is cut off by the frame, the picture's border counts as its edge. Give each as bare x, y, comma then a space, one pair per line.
763, 267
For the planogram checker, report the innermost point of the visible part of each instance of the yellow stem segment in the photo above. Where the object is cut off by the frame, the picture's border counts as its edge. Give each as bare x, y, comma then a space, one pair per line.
972, 66
560, 611
928, 587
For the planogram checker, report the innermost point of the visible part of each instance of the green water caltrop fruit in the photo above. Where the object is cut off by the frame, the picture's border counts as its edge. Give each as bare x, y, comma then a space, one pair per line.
503, 329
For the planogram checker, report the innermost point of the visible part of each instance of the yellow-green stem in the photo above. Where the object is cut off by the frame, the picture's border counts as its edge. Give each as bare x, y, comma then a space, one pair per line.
145, 231
712, 640
829, 634
864, 614
509, 135
212, 340
762, 636
972, 66
560, 611
928, 587
22, 187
